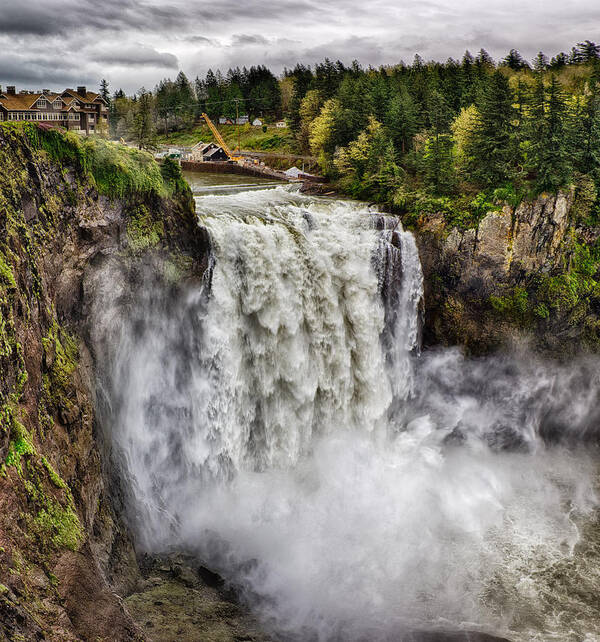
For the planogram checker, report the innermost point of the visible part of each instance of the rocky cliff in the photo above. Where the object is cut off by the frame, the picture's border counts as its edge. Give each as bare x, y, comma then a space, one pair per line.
79, 215
66, 207
523, 274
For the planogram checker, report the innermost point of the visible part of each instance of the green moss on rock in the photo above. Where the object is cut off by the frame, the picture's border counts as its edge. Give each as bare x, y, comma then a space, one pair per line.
7, 278
61, 525
143, 233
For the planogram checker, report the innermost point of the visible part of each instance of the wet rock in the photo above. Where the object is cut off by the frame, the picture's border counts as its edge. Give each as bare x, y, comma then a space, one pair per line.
178, 605
64, 548
508, 249
94, 609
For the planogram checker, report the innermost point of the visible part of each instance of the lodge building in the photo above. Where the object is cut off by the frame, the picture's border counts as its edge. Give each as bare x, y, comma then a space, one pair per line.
79, 110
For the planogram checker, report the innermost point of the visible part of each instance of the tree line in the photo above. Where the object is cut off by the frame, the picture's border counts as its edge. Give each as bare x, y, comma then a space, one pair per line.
178, 104
470, 127
408, 132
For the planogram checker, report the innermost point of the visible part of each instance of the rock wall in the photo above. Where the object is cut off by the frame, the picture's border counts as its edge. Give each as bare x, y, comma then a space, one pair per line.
64, 552
524, 274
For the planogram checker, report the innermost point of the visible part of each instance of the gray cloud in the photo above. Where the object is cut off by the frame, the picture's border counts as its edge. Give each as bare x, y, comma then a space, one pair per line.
66, 17
37, 72
135, 55
139, 41
241, 39
201, 40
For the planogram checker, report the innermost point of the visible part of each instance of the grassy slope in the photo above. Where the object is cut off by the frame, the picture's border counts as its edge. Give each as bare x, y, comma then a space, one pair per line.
279, 141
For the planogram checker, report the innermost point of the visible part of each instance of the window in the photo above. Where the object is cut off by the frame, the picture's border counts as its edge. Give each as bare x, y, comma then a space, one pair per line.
41, 103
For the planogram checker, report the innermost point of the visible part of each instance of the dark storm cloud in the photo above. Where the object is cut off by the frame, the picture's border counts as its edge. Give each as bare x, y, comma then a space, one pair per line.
64, 17
137, 41
36, 72
283, 11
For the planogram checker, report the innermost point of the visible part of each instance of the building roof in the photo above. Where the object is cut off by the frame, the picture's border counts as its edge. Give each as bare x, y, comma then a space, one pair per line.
216, 150
26, 100
90, 96
19, 101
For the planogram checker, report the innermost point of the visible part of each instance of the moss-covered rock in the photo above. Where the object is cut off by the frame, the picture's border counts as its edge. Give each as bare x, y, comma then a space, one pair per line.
66, 203
529, 272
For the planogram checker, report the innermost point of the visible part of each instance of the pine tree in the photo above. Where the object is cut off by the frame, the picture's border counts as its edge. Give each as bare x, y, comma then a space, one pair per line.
515, 61
166, 101
484, 59
468, 85
142, 130
584, 130
588, 51
559, 61
437, 157
492, 149
552, 163
104, 92
438, 163
541, 62
402, 120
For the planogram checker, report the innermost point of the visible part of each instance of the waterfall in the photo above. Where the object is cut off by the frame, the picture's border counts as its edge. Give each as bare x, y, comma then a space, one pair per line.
279, 421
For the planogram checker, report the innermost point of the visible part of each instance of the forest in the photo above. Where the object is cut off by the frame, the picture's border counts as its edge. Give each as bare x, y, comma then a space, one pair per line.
455, 136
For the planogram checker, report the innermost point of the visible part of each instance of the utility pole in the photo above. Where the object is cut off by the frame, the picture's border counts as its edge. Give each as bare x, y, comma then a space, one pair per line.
237, 122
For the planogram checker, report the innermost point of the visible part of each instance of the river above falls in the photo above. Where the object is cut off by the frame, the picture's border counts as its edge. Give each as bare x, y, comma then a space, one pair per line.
203, 183
280, 422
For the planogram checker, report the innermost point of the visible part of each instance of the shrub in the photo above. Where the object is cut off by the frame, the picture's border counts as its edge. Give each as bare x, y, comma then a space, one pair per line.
117, 170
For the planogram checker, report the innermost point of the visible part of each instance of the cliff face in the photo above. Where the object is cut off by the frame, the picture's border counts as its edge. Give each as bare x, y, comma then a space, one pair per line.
527, 273
63, 548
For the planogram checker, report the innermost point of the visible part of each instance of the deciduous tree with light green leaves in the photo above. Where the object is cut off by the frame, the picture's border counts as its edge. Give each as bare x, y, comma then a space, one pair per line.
367, 166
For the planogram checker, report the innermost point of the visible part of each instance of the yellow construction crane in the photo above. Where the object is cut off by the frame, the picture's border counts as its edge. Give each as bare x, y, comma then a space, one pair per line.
220, 140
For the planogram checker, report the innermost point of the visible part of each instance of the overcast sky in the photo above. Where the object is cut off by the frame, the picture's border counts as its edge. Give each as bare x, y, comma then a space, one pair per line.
56, 43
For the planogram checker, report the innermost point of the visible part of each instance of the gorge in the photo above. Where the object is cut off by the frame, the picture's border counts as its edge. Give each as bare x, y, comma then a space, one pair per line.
243, 382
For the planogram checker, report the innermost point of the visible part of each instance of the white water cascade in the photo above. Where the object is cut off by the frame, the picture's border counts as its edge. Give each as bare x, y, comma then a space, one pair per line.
279, 421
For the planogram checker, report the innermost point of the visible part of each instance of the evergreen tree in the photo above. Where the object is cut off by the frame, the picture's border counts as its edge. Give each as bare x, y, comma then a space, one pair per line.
576, 56
185, 99
468, 84
402, 120
438, 162
167, 98
302, 77
588, 51
104, 92
541, 62
367, 166
437, 157
492, 148
515, 61
484, 59
551, 162
584, 130
559, 61
142, 130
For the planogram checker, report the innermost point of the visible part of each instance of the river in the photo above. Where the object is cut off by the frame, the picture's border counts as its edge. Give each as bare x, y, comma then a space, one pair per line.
281, 422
